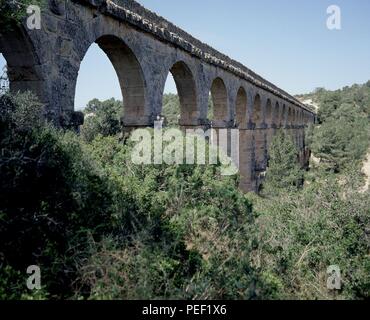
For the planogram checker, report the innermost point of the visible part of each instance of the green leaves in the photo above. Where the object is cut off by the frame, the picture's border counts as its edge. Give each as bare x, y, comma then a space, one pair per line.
283, 171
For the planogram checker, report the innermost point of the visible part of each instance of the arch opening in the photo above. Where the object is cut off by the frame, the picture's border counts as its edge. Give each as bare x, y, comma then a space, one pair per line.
126, 80
219, 101
241, 112
275, 114
290, 117
268, 116
257, 111
283, 116
181, 75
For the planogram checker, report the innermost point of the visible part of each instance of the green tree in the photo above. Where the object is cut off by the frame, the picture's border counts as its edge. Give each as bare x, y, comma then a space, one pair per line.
51, 199
283, 172
102, 117
342, 139
171, 109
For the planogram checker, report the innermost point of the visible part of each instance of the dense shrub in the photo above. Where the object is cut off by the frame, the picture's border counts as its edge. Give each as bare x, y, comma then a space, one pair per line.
283, 172
302, 234
51, 197
102, 227
190, 233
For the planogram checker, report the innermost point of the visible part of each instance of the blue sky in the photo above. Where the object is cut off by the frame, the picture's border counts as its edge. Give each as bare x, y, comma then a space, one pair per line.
285, 41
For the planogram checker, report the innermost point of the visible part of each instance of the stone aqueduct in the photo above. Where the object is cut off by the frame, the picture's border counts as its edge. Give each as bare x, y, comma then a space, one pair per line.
143, 49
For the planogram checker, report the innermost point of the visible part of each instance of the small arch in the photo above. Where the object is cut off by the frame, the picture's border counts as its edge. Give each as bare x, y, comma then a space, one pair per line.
296, 116
220, 100
300, 117
293, 116
283, 115
186, 89
275, 114
268, 113
290, 117
257, 111
241, 111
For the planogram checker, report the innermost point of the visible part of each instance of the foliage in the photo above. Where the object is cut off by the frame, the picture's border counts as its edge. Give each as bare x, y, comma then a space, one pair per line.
283, 171
183, 221
302, 234
342, 138
102, 117
102, 227
171, 109
51, 197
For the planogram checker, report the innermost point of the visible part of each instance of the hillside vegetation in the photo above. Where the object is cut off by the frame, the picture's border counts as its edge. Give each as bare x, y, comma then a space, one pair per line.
101, 227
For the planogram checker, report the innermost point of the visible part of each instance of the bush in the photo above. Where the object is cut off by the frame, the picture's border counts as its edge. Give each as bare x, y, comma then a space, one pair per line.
184, 221
51, 196
302, 234
283, 172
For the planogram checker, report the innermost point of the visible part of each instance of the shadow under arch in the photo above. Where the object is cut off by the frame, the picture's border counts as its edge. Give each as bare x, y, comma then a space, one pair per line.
290, 117
130, 77
283, 116
220, 100
187, 91
268, 112
23, 64
241, 112
275, 114
257, 117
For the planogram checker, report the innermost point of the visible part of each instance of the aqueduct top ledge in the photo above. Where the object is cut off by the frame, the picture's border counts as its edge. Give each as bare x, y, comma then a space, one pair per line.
136, 15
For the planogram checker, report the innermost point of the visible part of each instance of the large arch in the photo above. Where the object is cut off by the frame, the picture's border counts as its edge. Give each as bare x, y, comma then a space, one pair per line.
257, 116
241, 112
268, 112
187, 91
129, 73
23, 64
220, 100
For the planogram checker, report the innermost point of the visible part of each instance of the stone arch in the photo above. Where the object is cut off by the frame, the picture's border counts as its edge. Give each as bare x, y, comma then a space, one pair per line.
241, 112
220, 100
283, 115
130, 76
293, 116
300, 118
296, 116
23, 64
276, 114
257, 116
290, 116
187, 91
268, 112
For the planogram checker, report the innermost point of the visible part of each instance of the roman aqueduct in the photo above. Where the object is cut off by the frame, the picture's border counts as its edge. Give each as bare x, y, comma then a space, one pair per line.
144, 48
